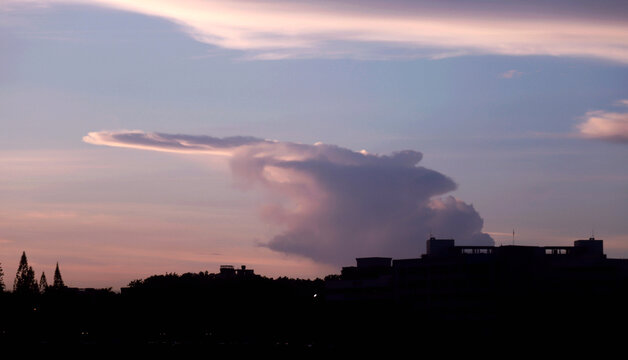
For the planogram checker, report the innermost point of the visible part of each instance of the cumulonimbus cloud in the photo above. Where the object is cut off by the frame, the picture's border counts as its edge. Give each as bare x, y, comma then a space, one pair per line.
334, 204
276, 29
604, 125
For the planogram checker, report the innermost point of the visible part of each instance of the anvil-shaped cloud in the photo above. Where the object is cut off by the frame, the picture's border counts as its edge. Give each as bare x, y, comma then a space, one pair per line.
334, 203
276, 29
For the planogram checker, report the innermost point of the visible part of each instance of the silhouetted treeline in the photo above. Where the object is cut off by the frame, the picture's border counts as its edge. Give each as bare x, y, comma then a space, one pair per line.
243, 310
193, 309
220, 313
25, 282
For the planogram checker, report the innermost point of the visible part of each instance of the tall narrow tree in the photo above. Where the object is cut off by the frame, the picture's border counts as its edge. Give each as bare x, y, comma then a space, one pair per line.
43, 283
22, 272
25, 282
1, 279
33, 287
58, 282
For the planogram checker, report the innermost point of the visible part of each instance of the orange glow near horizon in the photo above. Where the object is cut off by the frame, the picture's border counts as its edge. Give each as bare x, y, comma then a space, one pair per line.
127, 233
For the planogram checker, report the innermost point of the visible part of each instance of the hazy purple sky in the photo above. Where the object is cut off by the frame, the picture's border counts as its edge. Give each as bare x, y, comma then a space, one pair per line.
158, 136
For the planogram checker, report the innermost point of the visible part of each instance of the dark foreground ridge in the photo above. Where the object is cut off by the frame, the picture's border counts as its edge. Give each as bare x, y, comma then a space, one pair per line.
461, 295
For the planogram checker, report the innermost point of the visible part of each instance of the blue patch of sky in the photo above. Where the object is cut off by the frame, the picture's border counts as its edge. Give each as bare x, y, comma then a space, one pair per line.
141, 72
80, 69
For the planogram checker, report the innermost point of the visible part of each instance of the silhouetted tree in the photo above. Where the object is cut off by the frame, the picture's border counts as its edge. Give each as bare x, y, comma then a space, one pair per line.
58, 282
43, 283
25, 282
1, 279
136, 283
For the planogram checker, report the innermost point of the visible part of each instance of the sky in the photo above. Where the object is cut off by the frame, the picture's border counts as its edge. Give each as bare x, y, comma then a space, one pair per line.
141, 138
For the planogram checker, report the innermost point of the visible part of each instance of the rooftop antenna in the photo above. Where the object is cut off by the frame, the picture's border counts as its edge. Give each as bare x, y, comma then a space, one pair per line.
513, 236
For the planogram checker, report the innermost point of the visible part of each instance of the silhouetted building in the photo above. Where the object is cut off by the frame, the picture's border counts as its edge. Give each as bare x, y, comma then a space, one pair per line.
456, 282
228, 271
370, 280
244, 272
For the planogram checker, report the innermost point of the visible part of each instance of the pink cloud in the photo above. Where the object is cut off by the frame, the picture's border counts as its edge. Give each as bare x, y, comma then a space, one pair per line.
332, 203
279, 29
510, 74
602, 125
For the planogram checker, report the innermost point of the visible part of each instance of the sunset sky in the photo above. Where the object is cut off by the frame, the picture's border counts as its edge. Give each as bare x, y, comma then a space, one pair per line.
154, 136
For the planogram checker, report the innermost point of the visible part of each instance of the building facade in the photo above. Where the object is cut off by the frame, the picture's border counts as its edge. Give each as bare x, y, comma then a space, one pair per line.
485, 282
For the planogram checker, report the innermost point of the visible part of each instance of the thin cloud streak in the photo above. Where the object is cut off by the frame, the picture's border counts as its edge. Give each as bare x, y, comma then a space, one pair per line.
333, 203
278, 30
187, 144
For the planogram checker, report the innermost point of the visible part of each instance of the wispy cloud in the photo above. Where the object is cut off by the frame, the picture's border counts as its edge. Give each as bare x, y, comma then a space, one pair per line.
510, 74
5, 241
169, 143
333, 203
276, 29
603, 125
